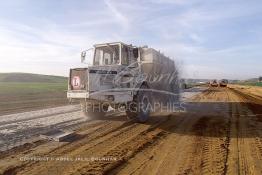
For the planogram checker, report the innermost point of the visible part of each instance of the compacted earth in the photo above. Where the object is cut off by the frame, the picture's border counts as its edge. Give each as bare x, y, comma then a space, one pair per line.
219, 131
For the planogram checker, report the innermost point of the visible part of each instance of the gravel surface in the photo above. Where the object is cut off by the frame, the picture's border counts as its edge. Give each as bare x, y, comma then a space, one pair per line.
19, 128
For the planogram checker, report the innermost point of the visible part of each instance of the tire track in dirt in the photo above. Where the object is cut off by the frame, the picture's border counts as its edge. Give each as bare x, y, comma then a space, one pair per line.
152, 158
101, 145
93, 129
201, 96
218, 134
196, 153
244, 153
209, 150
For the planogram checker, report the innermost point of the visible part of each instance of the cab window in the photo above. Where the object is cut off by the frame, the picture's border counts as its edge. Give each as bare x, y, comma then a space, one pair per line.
107, 55
125, 55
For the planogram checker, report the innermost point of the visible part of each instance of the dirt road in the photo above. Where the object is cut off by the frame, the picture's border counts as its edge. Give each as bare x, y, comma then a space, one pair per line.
16, 129
219, 133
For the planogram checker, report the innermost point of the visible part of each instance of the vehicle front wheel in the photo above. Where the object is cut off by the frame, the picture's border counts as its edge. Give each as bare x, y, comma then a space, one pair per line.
141, 106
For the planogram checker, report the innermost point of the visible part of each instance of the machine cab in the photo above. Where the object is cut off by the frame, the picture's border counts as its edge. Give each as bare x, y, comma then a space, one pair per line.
109, 54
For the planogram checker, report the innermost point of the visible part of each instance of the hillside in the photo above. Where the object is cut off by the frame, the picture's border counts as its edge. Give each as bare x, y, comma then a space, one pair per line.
31, 78
21, 92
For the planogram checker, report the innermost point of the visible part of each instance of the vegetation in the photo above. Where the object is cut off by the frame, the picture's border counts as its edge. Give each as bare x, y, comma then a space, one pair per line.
17, 88
25, 92
251, 83
31, 78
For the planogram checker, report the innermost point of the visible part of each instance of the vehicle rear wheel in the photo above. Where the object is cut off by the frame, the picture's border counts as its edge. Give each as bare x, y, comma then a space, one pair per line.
94, 111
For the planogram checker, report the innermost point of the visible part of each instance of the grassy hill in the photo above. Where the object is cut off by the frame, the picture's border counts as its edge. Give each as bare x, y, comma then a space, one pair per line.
249, 82
31, 78
24, 92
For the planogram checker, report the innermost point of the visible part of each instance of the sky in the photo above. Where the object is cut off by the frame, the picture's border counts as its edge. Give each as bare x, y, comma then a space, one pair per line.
206, 38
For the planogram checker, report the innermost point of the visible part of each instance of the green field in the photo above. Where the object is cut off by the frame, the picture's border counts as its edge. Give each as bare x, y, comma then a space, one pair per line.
31, 78
11, 88
22, 92
252, 83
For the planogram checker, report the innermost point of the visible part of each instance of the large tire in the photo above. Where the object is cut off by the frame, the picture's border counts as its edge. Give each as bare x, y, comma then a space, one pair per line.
141, 106
93, 111
131, 110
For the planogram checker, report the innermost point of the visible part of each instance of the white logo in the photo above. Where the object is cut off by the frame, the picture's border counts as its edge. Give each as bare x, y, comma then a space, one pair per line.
76, 81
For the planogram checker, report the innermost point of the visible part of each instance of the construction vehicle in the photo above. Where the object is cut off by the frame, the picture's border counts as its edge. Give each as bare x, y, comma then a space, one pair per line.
123, 76
213, 83
223, 83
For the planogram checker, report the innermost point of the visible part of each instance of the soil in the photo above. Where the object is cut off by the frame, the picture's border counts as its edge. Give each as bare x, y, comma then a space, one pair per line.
220, 132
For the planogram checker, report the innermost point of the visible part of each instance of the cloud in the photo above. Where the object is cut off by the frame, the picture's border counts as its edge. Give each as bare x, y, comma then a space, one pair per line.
200, 35
177, 2
116, 13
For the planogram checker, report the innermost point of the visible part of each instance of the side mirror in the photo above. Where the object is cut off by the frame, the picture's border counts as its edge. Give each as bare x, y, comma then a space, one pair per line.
135, 52
83, 56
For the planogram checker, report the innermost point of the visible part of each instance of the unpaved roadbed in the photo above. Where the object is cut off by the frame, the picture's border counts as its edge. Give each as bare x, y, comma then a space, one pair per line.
219, 133
16, 129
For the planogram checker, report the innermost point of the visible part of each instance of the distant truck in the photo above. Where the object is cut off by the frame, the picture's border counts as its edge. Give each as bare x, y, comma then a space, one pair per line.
123, 76
223, 83
213, 83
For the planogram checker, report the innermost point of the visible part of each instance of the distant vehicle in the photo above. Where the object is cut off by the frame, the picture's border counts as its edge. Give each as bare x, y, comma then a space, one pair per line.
121, 76
223, 83
213, 83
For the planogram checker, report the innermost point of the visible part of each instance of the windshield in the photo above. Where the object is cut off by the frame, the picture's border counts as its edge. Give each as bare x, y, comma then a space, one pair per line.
125, 55
107, 55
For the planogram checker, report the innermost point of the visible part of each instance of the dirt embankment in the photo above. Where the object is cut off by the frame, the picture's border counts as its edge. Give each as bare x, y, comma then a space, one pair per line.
219, 133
